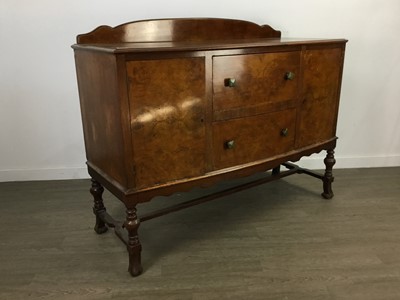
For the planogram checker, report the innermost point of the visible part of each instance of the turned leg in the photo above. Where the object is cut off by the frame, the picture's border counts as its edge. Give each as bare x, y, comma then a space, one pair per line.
97, 191
134, 247
329, 161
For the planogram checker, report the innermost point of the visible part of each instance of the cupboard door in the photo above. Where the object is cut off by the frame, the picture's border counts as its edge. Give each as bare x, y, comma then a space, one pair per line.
320, 99
167, 107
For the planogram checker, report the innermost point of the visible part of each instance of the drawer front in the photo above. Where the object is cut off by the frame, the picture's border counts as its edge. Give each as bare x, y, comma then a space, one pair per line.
259, 81
244, 140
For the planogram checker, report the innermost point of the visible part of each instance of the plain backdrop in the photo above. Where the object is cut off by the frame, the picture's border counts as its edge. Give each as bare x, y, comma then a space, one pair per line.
40, 126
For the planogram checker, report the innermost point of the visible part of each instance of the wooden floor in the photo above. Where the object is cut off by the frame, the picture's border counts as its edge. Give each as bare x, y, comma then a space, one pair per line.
278, 241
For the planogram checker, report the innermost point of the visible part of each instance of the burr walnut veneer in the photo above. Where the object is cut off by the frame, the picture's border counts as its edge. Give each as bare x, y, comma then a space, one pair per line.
171, 104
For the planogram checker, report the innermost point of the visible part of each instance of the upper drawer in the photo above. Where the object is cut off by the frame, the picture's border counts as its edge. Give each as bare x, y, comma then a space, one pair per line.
254, 83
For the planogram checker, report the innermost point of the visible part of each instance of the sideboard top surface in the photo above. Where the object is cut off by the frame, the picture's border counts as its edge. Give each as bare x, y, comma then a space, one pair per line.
202, 45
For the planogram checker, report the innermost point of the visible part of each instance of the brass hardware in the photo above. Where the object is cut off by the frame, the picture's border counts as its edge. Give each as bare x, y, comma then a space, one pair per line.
289, 76
230, 82
230, 144
284, 132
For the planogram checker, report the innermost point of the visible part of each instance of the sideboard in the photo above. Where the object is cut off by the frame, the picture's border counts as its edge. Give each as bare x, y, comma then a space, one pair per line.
172, 104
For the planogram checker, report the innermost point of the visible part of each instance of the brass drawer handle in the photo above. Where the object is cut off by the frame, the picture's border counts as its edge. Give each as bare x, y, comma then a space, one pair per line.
230, 144
230, 82
289, 76
284, 132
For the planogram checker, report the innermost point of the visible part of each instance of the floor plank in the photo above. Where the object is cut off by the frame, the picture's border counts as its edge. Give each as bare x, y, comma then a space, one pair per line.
280, 240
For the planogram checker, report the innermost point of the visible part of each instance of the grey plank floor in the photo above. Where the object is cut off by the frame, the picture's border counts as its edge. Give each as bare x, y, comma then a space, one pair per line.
277, 241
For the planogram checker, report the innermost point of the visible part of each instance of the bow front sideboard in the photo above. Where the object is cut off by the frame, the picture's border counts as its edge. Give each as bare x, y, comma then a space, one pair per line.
172, 104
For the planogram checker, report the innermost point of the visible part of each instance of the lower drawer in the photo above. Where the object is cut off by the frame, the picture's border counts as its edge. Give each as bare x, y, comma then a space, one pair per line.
244, 140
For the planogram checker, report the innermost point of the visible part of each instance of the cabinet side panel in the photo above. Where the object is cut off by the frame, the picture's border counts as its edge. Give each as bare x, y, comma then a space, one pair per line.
101, 116
167, 103
320, 98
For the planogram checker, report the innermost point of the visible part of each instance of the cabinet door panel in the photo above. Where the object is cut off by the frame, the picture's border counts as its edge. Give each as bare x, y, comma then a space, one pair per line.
321, 83
167, 106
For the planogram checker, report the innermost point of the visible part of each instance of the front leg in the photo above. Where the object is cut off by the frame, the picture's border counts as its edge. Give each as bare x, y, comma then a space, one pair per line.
329, 161
97, 191
134, 247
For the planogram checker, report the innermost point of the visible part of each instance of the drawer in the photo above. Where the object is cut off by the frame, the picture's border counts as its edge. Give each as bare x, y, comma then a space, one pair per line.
254, 83
243, 140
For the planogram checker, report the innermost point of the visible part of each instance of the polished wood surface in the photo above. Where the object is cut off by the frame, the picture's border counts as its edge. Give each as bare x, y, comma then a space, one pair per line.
170, 105
167, 106
260, 81
321, 83
254, 138
177, 30
100, 108
250, 45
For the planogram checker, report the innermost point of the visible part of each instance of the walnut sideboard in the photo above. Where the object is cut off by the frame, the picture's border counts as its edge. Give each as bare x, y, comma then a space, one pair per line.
171, 104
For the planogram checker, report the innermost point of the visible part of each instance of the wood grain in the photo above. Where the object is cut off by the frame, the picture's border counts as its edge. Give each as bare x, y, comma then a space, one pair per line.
167, 105
193, 29
162, 114
255, 138
320, 99
259, 81
101, 114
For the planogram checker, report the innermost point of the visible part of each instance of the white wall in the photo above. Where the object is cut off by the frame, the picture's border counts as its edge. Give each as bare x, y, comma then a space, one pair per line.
40, 126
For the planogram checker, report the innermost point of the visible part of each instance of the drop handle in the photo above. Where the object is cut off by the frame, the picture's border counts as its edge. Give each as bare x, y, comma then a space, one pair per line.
284, 132
230, 82
230, 144
289, 75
